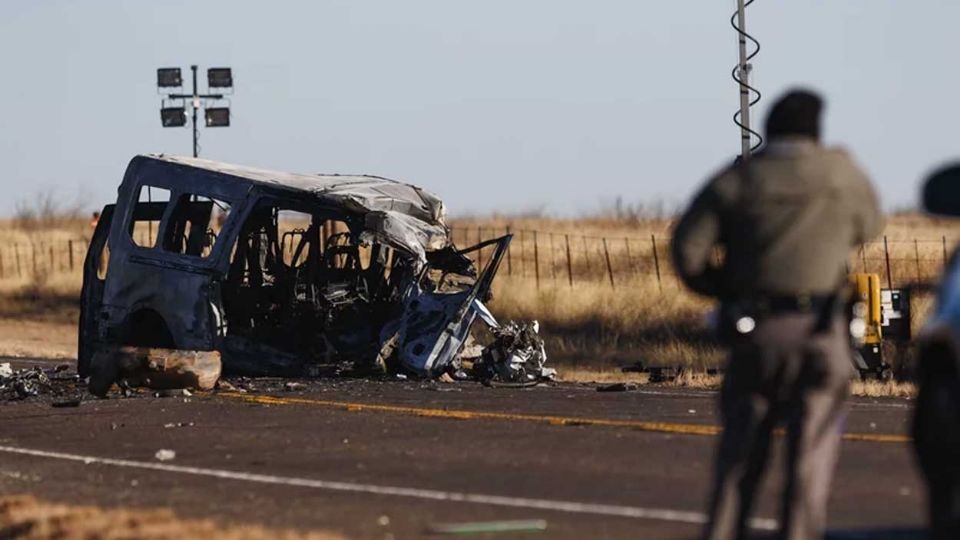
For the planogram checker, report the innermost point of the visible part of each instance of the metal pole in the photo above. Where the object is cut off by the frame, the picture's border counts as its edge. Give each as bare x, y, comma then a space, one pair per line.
536, 259
944, 238
886, 254
509, 263
916, 254
656, 260
606, 254
196, 105
744, 72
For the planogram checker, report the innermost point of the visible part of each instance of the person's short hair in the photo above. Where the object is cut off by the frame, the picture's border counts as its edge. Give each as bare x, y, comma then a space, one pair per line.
796, 113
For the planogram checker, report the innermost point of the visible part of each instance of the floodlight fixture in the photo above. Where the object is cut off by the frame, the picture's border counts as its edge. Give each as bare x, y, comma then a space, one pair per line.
214, 116
168, 77
217, 116
219, 77
173, 117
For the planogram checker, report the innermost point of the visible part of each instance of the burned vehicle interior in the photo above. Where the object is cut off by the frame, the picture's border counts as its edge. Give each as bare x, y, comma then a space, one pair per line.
289, 275
313, 289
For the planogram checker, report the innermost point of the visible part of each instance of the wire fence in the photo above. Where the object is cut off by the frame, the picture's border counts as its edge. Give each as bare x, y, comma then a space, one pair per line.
562, 258
555, 258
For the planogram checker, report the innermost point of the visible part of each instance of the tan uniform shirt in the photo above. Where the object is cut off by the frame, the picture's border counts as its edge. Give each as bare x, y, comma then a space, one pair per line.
785, 220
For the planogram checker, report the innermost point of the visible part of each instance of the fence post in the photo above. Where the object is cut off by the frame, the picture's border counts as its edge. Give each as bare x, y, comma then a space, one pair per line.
944, 251
553, 261
586, 255
509, 262
886, 254
16, 256
523, 256
863, 256
916, 252
33, 254
606, 255
656, 260
566, 239
1, 264
70, 251
536, 259
479, 251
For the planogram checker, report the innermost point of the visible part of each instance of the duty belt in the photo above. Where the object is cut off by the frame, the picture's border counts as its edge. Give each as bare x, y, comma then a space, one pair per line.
800, 303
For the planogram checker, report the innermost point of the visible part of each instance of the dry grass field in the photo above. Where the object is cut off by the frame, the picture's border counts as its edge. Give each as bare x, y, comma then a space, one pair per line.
601, 287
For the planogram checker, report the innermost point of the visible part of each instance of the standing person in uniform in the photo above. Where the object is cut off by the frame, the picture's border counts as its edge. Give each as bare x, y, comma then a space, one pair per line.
769, 237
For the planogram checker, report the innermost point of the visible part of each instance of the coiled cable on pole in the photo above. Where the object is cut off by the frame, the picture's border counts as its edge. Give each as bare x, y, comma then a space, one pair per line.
741, 74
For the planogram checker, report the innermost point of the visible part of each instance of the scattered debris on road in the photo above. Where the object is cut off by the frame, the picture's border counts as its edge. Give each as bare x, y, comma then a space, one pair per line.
17, 384
617, 387
165, 455
517, 355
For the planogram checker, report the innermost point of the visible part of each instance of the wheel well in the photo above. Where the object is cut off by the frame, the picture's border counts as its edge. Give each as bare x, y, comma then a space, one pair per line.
147, 328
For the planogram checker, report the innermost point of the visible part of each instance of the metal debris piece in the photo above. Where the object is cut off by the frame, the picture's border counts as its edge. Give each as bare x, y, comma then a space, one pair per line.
165, 455
24, 383
617, 387
487, 527
517, 355
65, 404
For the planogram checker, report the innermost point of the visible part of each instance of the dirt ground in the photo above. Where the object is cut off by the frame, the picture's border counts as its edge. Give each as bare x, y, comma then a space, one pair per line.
38, 339
25, 518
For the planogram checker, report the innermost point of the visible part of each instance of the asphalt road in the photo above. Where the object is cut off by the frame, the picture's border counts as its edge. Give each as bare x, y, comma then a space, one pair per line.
391, 459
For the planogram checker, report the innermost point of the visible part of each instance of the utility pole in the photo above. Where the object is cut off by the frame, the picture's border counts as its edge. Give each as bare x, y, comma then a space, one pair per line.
741, 74
176, 117
743, 70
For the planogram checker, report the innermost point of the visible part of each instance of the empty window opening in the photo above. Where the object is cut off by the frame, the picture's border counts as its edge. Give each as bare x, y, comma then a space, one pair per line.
145, 224
194, 225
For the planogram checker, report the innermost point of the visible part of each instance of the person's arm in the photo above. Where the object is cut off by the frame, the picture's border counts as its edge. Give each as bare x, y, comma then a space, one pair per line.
696, 235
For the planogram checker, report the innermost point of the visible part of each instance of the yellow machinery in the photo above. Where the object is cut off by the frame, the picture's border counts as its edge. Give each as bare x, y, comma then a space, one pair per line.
878, 315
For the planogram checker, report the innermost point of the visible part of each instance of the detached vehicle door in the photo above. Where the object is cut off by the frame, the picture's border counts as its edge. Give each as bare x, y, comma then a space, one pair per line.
91, 294
437, 316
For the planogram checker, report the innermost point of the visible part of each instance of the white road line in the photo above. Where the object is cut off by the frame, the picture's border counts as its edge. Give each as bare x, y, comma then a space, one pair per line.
570, 507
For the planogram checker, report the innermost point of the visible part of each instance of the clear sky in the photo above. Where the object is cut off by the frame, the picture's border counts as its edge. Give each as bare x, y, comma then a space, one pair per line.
499, 105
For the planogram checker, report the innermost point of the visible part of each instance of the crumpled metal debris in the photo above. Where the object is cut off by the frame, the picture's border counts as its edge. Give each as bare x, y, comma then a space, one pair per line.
517, 355
23, 383
165, 454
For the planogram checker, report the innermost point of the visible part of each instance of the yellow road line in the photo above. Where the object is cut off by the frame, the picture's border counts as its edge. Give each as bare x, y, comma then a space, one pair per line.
453, 414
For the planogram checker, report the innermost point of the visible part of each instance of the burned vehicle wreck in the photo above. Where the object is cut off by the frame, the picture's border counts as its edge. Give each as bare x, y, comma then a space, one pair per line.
282, 274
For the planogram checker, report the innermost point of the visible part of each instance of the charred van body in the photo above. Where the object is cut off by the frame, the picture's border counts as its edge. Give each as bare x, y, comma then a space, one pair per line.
278, 272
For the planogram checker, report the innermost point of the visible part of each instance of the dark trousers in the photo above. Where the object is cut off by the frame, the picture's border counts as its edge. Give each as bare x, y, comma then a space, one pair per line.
936, 432
792, 370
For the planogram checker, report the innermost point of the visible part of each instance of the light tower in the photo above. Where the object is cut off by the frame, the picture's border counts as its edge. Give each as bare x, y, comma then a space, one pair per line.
174, 115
